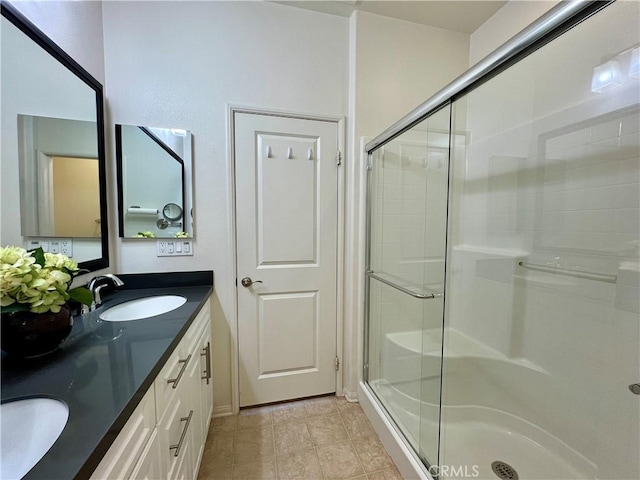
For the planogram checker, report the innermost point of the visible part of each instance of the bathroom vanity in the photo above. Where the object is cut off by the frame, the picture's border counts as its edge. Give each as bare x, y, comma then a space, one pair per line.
139, 392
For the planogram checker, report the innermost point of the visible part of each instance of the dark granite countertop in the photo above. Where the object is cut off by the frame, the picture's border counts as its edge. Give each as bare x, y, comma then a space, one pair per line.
103, 370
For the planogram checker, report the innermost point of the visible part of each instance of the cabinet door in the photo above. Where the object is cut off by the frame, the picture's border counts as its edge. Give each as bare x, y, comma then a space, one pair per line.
121, 458
206, 381
149, 466
191, 338
191, 398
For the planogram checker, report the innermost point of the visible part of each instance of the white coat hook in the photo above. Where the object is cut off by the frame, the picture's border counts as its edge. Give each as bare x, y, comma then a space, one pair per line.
289, 153
269, 154
310, 154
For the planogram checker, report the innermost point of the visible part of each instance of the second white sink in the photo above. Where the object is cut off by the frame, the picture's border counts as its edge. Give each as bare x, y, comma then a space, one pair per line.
142, 308
29, 428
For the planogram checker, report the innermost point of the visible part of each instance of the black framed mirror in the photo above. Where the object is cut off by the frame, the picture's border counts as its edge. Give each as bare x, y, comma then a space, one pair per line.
154, 182
52, 133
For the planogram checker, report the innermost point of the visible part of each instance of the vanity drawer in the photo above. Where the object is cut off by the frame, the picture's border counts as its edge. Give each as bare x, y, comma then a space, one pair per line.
174, 433
168, 381
123, 455
191, 338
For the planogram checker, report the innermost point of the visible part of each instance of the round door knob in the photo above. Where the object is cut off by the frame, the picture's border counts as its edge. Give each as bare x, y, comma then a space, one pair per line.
247, 282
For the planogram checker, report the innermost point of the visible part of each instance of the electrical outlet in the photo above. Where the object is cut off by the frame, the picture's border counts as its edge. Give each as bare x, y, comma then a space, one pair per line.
66, 247
175, 248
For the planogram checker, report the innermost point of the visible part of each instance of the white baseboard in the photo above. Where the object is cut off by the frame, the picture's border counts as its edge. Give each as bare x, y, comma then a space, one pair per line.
350, 396
222, 411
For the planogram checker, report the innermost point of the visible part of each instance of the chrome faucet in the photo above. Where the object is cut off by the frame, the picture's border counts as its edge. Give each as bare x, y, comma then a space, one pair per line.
95, 289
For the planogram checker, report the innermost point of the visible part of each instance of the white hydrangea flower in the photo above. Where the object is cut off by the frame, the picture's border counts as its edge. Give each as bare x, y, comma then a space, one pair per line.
24, 281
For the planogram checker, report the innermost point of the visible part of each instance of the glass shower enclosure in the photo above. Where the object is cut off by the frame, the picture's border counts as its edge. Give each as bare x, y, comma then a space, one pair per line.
503, 263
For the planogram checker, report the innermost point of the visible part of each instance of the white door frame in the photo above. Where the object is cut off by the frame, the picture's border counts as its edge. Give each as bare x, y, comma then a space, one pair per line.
232, 110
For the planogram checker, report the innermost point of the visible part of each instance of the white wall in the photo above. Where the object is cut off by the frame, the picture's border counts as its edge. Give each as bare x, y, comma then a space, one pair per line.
504, 24
399, 65
174, 64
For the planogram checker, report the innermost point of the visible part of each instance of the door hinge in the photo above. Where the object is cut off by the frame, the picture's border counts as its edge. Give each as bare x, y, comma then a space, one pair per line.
338, 158
337, 363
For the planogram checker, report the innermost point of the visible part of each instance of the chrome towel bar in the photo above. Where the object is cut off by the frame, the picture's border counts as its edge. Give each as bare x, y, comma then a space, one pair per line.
569, 272
408, 291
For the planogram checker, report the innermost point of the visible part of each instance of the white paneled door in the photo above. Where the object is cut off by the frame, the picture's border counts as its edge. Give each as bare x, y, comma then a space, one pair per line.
286, 233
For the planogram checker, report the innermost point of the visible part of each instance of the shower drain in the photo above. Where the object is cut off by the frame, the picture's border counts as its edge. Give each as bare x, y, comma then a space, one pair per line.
504, 471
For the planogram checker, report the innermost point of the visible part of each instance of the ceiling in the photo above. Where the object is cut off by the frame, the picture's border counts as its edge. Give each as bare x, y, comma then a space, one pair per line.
459, 16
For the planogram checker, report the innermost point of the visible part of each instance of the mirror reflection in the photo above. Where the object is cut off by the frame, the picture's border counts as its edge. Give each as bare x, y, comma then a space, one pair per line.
52, 147
154, 182
59, 177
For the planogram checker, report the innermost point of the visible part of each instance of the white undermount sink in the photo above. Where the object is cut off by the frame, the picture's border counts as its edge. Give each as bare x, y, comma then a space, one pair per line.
29, 428
142, 308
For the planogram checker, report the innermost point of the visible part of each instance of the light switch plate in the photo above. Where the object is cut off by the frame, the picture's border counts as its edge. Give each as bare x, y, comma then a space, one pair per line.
54, 246
174, 248
33, 244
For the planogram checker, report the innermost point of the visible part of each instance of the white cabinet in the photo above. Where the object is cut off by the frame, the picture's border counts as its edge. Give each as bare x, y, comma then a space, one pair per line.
121, 459
165, 436
206, 379
179, 409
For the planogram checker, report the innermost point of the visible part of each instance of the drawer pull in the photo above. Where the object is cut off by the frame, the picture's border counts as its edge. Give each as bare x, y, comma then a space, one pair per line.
184, 367
206, 352
178, 446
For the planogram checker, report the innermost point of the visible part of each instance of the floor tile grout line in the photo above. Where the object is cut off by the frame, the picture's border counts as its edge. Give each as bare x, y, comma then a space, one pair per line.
324, 475
273, 436
352, 445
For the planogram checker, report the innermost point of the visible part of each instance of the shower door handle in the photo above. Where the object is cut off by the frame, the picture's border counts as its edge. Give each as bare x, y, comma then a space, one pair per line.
635, 388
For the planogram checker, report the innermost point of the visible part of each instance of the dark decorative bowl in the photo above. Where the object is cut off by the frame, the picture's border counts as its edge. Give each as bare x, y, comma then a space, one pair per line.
27, 334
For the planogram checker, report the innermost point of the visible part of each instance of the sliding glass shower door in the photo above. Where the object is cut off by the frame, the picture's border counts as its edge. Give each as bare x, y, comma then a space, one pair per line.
407, 211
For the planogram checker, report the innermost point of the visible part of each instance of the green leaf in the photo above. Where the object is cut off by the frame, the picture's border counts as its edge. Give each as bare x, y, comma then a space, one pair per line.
38, 254
81, 294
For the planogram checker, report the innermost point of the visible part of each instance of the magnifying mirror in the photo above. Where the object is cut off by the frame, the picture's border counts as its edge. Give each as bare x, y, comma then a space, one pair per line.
172, 212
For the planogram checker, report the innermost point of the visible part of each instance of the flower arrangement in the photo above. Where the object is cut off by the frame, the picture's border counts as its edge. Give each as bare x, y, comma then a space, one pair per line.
144, 235
37, 281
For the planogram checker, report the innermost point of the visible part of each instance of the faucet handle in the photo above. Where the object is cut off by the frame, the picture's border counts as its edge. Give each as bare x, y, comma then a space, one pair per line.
97, 298
106, 276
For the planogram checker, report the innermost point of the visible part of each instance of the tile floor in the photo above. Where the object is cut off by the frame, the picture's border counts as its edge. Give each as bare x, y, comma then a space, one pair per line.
319, 438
